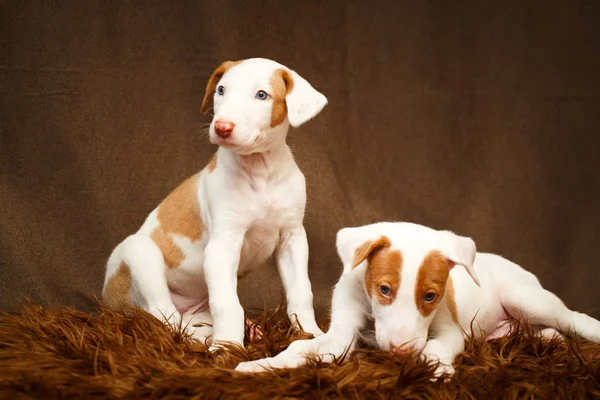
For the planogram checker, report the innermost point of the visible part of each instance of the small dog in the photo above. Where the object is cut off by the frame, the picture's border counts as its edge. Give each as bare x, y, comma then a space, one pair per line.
402, 276
244, 207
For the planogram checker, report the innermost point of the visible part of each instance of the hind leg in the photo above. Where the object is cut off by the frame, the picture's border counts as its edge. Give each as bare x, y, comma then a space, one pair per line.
140, 261
537, 306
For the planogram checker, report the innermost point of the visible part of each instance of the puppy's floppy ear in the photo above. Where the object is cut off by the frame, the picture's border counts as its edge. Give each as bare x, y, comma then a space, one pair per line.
214, 78
459, 250
355, 245
303, 101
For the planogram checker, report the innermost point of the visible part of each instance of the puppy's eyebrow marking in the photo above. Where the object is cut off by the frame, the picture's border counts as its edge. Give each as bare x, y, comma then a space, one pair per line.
214, 78
432, 276
385, 267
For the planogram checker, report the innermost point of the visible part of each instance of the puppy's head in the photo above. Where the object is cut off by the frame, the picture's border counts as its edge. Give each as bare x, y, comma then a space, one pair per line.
255, 101
406, 267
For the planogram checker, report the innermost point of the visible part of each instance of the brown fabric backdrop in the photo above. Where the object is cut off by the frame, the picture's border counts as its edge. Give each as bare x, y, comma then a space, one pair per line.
478, 116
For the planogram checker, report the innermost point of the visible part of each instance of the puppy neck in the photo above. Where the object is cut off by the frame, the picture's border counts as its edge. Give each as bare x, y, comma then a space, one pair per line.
261, 167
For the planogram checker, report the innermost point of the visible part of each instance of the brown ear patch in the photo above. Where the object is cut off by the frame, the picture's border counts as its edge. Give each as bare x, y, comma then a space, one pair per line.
214, 78
178, 214
116, 293
367, 248
432, 277
450, 300
281, 83
385, 268
212, 165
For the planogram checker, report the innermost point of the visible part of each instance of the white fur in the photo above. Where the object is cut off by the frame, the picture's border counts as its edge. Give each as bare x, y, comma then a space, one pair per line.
252, 207
505, 291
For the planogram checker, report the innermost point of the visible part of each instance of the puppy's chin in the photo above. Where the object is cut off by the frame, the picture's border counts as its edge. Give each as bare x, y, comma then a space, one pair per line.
248, 145
228, 143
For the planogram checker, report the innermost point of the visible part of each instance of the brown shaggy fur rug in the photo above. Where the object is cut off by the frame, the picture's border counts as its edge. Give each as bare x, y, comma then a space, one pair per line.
69, 354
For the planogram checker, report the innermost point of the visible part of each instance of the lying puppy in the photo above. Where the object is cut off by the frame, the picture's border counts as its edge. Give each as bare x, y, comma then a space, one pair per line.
402, 276
245, 206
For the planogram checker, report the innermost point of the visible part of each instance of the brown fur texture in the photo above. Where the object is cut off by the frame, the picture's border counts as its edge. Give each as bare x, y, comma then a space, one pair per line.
385, 268
116, 292
65, 353
214, 78
367, 248
433, 274
178, 214
281, 85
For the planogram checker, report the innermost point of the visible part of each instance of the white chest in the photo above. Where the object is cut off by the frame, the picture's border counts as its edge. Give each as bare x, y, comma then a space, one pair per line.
274, 206
270, 214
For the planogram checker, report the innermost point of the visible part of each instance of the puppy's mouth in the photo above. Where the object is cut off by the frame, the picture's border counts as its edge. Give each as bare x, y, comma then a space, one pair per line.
228, 142
236, 142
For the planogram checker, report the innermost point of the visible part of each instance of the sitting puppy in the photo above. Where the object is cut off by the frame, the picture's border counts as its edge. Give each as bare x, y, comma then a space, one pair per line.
244, 207
403, 276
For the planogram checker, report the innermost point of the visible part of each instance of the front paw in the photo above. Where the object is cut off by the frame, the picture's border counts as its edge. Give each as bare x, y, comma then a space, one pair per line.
444, 371
308, 326
253, 366
315, 331
221, 344
281, 361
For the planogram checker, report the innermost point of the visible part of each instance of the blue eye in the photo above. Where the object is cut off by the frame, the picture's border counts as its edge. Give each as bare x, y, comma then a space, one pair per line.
385, 290
221, 90
429, 297
261, 95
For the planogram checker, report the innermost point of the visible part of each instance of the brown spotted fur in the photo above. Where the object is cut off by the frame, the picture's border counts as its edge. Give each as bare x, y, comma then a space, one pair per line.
432, 277
116, 292
281, 83
178, 214
214, 78
366, 249
385, 267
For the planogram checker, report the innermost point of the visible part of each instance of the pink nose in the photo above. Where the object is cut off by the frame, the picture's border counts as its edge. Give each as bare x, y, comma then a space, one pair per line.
224, 129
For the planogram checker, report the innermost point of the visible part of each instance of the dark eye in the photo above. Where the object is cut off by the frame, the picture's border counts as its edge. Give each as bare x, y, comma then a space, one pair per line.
429, 297
385, 290
221, 90
261, 95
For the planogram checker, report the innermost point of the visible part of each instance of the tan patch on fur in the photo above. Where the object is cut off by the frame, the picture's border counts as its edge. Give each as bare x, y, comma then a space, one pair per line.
450, 300
281, 85
214, 78
212, 165
367, 248
178, 214
116, 293
384, 267
432, 277
172, 254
